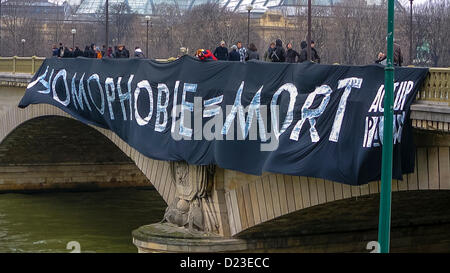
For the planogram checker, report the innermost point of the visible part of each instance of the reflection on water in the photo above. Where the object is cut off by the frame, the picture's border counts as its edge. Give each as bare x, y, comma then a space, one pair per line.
99, 221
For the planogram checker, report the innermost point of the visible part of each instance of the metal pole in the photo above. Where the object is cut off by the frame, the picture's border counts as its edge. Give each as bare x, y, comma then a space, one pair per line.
23, 49
410, 33
309, 31
248, 28
384, 227
57, 22
1, 17
73, 41
151, 33
106, 24
146, 51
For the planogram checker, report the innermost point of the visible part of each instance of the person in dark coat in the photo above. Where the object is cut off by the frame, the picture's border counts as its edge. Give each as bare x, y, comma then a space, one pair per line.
55, 51
77, 52
126, 52
221, 52
234, 55
315, 57
89, 51
304, 52
119, 52
115, 52
252, 52
60, 50
104, 51
398, 56
292, 56
67, 53
122, 52
92, 51
278, 54
86, 52
268, 53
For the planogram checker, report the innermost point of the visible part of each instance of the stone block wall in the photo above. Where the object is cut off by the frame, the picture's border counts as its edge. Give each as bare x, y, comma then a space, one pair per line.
70, 177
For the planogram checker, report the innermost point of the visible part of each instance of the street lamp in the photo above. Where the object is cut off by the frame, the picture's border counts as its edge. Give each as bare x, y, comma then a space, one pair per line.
410, 32
74, 31
249, 8
147, 18
0, 27
23, 47
106, 23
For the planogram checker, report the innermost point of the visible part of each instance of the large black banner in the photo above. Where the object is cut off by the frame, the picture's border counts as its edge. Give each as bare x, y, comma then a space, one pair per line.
307, 119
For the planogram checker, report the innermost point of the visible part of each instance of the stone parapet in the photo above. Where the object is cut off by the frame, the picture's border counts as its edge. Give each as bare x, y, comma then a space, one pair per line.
15, 80
23, 178
431, 116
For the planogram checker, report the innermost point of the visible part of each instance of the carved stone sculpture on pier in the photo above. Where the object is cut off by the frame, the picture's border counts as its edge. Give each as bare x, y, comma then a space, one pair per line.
192, 206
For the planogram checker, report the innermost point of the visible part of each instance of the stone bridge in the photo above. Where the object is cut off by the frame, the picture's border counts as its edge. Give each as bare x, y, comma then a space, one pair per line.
257, 213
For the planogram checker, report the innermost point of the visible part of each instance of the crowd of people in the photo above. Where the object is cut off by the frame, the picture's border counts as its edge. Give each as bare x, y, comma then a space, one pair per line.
93, 51
275, 53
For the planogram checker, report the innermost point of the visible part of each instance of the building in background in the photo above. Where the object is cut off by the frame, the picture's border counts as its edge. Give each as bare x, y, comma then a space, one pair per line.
150, 7
42, 9
142, 7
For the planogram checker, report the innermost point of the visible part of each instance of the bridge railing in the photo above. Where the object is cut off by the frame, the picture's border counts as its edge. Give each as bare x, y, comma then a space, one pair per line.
15, 64
436, 88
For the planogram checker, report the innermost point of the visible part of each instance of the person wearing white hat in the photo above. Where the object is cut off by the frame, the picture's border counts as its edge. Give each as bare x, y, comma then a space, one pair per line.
221, 52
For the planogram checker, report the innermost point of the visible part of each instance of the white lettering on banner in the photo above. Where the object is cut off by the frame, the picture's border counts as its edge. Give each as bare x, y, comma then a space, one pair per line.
95, 77
125, 96
80, 95
312, 114
41, 80
210, 122
292, 90
137, 116
186, 106
174, 107
348, 83
374, 122
161, 108
238, 109
62, 73
110, 96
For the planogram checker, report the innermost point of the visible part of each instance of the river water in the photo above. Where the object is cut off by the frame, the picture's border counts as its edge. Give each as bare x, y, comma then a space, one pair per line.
100, 221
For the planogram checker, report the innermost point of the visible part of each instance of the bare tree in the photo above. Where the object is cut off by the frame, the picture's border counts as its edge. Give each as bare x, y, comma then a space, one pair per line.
432, 31
18, 24
208, 24
122, 21
350, 32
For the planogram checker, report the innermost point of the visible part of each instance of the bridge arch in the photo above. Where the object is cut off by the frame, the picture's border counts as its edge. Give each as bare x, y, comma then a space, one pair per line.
264, 198
420, 222
243, 201
157, 172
